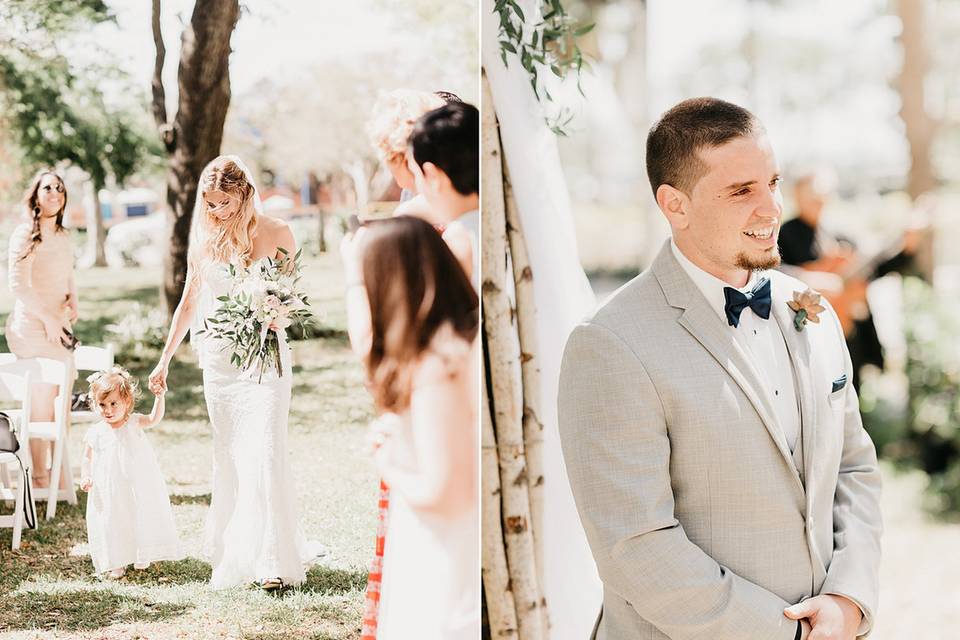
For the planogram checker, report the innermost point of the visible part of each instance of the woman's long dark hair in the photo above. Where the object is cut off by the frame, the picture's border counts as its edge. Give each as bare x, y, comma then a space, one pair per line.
32, 202
415, 285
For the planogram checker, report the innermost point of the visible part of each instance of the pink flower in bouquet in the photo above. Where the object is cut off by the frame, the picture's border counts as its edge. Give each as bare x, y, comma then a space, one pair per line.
279, 323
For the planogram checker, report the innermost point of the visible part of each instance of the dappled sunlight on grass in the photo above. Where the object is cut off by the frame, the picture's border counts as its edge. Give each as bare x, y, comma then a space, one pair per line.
49, 586
334, 581
80, 609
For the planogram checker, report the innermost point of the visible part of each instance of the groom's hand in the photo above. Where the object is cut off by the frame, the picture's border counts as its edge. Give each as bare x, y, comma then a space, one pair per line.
831, 617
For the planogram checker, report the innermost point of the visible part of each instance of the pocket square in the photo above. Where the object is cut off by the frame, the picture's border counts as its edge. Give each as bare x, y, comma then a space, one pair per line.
839, 383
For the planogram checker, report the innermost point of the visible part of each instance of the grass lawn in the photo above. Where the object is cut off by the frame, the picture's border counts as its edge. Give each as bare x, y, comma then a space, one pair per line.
47, 588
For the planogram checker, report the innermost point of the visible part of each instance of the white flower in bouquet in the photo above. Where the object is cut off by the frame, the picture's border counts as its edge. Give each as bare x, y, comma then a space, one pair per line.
263, 303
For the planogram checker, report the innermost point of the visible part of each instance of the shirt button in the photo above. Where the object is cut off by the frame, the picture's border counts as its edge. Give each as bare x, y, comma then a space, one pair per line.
776, 392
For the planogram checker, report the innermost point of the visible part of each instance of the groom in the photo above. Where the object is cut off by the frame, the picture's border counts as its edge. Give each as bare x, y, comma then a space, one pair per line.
710, 431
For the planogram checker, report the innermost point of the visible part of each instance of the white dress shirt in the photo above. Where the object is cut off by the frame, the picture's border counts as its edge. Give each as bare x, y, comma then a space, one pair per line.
761, 340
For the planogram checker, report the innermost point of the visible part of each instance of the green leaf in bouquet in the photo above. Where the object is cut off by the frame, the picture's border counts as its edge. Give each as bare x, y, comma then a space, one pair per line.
223, 298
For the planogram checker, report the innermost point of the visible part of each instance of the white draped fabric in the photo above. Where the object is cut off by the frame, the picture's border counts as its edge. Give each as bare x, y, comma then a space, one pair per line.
563, 296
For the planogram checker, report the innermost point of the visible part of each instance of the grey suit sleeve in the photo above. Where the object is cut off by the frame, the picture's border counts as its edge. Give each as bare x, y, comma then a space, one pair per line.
617, 451
855, 566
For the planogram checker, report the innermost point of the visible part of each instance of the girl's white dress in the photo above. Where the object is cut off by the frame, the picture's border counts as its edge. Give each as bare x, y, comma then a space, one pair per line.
129, 519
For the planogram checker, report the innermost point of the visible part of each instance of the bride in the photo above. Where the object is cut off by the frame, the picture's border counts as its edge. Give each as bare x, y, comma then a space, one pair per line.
251, 530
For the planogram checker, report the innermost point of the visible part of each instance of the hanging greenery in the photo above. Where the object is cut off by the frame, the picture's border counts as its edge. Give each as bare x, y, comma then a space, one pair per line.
550, 44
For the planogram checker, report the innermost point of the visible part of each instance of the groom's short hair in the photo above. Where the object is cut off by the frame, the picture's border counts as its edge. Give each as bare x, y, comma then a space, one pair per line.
691, 125
449, 137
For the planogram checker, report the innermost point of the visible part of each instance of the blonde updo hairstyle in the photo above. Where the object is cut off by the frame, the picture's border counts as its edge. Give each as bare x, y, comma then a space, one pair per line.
392, 120
227, 240
118, 379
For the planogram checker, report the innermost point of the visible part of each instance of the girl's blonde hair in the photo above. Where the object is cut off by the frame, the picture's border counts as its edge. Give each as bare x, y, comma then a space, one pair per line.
103, 383
223, 240
393, 118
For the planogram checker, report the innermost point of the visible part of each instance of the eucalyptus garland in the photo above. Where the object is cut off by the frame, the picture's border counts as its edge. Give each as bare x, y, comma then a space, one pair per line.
549, 44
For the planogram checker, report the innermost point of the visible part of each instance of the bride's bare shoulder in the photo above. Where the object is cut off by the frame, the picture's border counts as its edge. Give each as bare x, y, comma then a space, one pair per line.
275, 232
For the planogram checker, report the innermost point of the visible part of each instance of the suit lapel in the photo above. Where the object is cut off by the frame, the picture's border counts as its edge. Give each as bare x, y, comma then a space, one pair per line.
798, 346
706, 327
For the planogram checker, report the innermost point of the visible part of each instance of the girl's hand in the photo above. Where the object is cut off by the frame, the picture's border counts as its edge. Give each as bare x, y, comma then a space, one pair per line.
350, 253
85, 484
380, 432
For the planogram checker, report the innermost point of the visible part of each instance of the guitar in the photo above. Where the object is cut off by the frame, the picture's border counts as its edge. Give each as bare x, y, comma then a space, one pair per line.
842, 278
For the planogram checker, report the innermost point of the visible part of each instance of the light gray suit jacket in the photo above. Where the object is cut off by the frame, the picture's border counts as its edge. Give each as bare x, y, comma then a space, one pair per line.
701, 521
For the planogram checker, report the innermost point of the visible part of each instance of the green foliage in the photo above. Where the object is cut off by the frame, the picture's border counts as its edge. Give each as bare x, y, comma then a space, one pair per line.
549, 44
139, 335
25, 16
933, 369
52, 112
329, 413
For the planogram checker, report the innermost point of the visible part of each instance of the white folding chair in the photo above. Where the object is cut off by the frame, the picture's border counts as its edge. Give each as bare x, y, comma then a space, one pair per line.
15, 387
61, 374
7, 358
90, 359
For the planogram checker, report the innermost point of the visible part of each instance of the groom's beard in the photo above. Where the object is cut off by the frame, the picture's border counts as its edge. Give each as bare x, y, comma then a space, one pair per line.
769, 261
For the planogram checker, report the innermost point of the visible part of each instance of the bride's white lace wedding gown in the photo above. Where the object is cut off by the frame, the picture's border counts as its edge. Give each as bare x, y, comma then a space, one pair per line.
251, 530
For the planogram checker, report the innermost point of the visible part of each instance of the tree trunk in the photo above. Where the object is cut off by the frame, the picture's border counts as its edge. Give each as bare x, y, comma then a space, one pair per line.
919, 125
315, 188
96, 233
507, 396
204, 96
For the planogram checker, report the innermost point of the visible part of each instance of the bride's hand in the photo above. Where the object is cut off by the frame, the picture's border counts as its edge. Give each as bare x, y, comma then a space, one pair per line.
158, 379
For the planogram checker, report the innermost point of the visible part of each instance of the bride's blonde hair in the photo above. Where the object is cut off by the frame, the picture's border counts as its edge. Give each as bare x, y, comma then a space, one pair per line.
230, 239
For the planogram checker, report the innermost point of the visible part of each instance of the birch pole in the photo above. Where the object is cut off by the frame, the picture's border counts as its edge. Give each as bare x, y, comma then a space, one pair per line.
529, 369
501, 611
503, 351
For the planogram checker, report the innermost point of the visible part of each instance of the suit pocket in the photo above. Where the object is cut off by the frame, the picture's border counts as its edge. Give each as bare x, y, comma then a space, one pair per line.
837, 398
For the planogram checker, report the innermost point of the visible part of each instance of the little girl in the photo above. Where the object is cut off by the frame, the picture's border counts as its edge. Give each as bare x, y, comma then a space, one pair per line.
129, 520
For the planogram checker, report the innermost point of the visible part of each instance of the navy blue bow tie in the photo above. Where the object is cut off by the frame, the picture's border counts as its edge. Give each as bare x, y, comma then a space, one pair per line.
757, 299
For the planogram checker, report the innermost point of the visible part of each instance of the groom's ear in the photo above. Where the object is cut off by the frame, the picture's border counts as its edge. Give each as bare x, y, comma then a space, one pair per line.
673, 204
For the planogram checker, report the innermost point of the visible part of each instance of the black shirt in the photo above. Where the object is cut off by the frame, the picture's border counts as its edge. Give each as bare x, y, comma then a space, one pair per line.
797, 242
798, 245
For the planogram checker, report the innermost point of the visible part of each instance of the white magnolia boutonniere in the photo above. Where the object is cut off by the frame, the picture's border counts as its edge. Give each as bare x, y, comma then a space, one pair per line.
806, 305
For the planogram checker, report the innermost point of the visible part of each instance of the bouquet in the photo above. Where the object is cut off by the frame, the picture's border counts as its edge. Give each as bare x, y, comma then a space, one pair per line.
263, 301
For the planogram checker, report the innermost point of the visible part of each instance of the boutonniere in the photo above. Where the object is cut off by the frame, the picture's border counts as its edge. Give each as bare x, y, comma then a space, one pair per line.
805, 306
